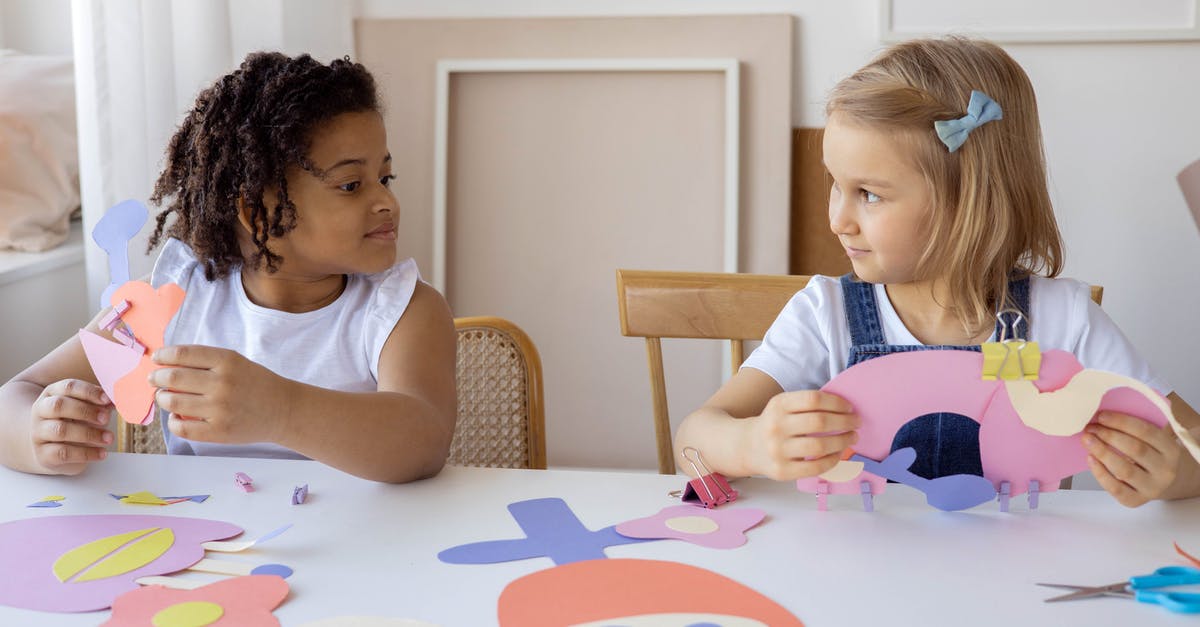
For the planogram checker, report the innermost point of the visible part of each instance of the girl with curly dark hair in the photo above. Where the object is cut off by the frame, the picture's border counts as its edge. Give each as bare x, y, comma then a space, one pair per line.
300, 335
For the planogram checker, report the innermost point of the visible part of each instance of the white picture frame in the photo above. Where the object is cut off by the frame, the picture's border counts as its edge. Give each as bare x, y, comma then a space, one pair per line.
1039, 21
445, 68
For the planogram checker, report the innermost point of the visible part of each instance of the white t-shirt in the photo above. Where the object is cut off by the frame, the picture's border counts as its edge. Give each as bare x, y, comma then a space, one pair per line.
809, 343
336, 347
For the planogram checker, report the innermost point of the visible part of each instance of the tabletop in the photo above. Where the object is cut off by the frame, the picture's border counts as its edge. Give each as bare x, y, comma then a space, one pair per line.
363, 548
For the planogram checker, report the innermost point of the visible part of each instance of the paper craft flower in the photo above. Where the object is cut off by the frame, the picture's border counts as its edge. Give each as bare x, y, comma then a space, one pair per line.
244, 601
713, 528
82, 563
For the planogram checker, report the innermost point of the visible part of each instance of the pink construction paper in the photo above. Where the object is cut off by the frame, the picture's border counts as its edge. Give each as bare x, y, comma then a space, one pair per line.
29, 548
149, 314
245, 601
889, 391
110, 360
732, 524
1189, 183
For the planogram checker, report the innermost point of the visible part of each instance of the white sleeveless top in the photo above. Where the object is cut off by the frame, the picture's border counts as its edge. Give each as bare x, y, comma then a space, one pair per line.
336, 347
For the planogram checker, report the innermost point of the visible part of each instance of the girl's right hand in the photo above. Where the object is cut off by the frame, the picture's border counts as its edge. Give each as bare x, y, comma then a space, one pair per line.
69, 426
800, 434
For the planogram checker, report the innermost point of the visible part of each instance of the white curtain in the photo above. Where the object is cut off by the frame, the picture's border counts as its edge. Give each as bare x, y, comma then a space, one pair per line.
138, 67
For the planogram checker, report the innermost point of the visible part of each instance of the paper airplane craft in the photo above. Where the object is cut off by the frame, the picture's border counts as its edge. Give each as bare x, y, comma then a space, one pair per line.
1029, 431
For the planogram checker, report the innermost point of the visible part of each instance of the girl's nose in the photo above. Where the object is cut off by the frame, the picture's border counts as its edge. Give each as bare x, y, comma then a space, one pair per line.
841, 215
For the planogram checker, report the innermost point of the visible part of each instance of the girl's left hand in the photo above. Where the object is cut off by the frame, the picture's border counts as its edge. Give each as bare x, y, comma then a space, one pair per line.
217, 395
1134, 460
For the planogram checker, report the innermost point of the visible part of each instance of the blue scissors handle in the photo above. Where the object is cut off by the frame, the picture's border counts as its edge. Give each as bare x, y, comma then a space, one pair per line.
1166, 576
1179, 602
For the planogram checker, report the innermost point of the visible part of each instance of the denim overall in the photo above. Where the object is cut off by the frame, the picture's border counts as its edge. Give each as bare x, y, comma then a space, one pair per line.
946, 443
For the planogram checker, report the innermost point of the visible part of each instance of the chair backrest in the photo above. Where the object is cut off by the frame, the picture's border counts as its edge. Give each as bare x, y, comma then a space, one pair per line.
735, 307
500, 414
501, 420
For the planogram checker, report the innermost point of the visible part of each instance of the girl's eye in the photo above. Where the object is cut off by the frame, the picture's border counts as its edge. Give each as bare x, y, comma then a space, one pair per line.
387, 180
349, 187
870, 197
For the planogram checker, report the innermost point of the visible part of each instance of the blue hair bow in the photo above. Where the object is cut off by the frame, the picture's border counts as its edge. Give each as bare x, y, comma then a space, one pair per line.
980, 111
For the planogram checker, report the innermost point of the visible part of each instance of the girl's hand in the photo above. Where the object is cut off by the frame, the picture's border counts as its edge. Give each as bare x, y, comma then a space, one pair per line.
68, 430
799, 434
217, 395
1132, 459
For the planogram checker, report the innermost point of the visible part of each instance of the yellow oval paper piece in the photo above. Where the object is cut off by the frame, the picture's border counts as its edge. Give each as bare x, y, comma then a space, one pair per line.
54, 498
114, 555
188, 614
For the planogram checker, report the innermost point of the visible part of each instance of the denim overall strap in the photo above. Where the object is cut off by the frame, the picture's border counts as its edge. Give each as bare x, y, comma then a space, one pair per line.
946, 443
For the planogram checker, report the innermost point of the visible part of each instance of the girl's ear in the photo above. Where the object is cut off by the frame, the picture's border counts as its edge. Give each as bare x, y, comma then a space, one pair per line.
243, 211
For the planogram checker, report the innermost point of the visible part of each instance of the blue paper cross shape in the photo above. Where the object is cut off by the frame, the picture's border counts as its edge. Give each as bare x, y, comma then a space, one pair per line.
551, 530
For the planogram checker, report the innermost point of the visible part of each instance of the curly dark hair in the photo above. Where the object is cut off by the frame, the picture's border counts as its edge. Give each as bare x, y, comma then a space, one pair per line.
239, 138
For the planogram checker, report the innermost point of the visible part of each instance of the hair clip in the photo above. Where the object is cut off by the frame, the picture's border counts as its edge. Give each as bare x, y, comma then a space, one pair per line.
980, 111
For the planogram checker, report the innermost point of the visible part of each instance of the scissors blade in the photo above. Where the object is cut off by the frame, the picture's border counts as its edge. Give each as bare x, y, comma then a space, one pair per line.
1085, 592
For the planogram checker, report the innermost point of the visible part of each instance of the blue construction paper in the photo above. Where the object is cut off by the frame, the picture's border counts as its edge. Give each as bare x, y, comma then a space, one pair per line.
116, 227
949, 493
45, 504
272, 569
195, 498
551, 530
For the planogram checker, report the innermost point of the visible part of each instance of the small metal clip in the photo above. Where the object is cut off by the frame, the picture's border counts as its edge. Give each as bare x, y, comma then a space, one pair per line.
701, 489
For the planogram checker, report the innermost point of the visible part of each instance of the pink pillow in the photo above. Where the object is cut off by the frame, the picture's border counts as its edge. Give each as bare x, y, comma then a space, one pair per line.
39, 161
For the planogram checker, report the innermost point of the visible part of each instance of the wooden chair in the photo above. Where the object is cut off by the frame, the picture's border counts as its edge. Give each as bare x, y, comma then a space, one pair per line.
500, 413
501, 420
735, 307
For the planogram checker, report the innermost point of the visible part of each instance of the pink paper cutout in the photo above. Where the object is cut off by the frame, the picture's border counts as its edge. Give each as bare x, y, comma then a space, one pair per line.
30, 547
732, 524
109, 360
245, 601
1189, 183
150, 312
889, 391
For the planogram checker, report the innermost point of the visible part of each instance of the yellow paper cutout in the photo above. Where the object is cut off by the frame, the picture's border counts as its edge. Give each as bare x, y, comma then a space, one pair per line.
54, 498
188, 614
132, 557
77, 559
1067, 410
144, 498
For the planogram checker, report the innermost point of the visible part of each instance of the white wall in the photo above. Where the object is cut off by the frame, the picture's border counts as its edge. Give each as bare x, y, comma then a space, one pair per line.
1119, 123
36, 26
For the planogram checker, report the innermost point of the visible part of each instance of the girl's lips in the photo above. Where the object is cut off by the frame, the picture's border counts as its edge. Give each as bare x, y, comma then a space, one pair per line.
386, 232
854, 253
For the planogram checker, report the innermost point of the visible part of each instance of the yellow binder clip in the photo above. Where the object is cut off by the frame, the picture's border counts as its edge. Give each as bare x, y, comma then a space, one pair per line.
1011, 358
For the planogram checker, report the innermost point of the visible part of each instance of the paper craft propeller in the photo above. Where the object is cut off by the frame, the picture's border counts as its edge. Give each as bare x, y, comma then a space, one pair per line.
112, 233
1028, 430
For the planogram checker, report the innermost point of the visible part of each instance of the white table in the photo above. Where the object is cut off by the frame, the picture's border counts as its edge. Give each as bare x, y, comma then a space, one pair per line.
363, 548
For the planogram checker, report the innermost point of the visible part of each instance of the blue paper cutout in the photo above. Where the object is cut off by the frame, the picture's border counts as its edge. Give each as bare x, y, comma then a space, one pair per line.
195, 498
551, 530
272, 569
116, 227
45, 504
949, 493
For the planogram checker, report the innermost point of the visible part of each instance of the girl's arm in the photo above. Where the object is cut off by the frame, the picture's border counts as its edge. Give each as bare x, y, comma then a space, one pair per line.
399, 433
751, 426
1137, 462
53, 415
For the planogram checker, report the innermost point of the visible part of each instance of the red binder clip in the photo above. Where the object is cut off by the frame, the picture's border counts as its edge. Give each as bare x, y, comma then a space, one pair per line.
709, 489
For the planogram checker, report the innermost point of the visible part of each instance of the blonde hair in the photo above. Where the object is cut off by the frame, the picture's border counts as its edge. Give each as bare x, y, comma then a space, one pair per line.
992, 214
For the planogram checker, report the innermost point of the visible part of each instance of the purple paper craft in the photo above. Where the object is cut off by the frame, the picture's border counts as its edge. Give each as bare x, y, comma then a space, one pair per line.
31, 546
1189, 183
112, 232
551, 530
195, 498
730, 533
273, 569
45, 504
949, 493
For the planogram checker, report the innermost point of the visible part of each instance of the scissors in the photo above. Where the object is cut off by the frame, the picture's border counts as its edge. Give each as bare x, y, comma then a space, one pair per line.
1142, 589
